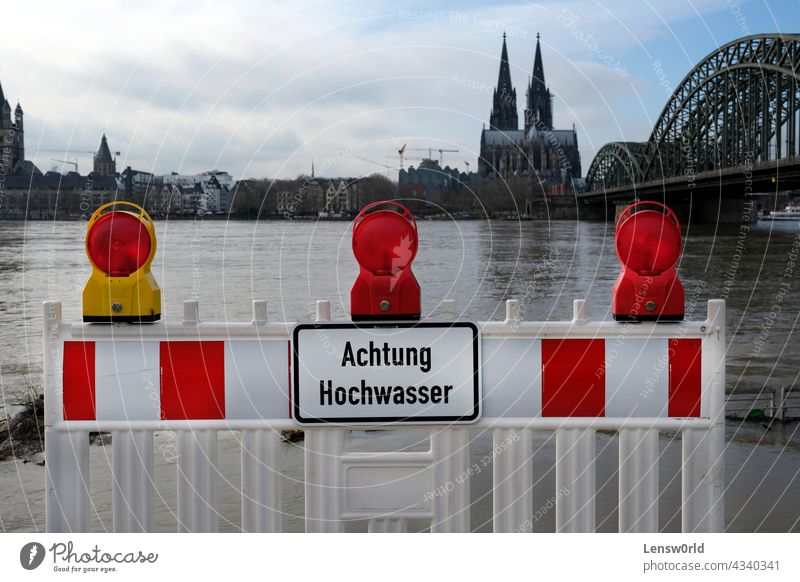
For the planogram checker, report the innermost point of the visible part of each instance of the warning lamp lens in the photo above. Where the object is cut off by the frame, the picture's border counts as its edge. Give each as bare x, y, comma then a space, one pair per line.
119, 244
648, 242
385, 242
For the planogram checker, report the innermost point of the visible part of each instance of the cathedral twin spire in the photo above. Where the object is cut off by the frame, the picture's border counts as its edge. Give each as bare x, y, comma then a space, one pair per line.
538, 106
504, 99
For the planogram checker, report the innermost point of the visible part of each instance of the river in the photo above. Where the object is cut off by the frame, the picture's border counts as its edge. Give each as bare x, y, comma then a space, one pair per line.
480, 264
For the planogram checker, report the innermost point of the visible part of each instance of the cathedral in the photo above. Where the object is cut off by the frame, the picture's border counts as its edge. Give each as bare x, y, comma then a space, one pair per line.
12, 142
547, 156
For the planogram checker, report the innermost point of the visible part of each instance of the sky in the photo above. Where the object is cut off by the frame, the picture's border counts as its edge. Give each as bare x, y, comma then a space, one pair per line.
261, 88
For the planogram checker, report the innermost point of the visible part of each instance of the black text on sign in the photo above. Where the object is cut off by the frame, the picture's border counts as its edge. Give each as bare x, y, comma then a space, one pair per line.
386, 373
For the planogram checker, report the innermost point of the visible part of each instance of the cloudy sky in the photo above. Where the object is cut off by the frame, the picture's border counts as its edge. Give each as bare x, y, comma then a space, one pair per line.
259, 88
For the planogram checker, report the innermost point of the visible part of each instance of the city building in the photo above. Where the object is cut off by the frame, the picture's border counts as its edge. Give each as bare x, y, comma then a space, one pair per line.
224, 179
428, 181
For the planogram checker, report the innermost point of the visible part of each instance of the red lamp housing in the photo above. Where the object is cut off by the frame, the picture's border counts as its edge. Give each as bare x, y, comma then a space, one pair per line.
118, 243
648, 242
384, 244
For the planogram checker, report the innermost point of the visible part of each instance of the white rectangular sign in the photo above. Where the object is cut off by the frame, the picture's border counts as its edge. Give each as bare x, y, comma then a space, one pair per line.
370, 373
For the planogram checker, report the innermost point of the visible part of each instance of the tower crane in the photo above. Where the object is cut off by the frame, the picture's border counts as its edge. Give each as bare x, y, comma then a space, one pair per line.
404, 158
387, 166
401, 152
71, 151
430, 151
71, 163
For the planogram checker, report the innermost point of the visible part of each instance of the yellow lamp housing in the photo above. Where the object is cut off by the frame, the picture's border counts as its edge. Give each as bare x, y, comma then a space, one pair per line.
121, 244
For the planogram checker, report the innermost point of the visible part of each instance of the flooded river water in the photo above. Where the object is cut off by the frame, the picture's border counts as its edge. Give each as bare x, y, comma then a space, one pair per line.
480, 264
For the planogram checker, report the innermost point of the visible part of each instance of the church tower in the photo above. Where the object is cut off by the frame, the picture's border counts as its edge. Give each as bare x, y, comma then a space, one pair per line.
12, 141
504, 101
539, 105
104, 164
20, 141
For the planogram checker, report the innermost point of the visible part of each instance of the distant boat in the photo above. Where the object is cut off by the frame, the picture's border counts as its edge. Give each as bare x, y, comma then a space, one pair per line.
334, 215
788, 213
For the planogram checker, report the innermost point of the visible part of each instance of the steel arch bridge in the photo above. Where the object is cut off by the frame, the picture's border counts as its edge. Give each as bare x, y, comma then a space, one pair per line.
736, 109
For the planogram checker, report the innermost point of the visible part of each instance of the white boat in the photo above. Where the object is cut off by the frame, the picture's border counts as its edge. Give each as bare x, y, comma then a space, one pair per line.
788, 213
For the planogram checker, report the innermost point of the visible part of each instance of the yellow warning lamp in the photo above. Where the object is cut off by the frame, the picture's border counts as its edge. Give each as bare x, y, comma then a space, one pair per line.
121, 244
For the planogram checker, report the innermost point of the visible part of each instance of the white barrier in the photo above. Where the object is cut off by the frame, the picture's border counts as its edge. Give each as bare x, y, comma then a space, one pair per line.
238, 377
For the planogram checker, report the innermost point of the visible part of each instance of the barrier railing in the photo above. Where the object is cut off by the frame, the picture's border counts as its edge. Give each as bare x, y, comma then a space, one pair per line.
572, 378
778, 404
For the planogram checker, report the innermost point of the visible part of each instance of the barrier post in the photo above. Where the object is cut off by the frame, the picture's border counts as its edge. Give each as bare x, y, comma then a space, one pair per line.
66, 453
450, 448
512, 468
703, 470
575, 475
575, 464
323, 449
261, 450
132, 452
638, 480
197, 465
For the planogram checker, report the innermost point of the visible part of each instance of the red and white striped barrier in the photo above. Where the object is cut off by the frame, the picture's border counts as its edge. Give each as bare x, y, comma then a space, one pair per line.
586, 377
175, 380
572, 377
240, 380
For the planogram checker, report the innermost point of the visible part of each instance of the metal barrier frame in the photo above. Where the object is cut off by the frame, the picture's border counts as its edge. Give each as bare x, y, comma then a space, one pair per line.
327, 464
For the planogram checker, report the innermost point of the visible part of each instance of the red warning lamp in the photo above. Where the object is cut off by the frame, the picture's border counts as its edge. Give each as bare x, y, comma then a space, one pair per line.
384, 244
648, 242
118, 243
121, 244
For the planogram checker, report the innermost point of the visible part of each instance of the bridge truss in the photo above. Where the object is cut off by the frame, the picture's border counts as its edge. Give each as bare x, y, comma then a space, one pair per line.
736, 108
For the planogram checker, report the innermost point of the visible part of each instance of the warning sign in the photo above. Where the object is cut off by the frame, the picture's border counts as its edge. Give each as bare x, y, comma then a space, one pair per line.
386, 373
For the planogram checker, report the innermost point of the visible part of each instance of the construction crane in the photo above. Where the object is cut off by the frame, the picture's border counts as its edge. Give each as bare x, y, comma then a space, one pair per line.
71, 163
430, 151
401, 152
66, 151
404, 158
69, 151
376, 163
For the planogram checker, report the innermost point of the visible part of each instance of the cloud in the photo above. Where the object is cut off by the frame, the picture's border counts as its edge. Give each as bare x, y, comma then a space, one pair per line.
259, 88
